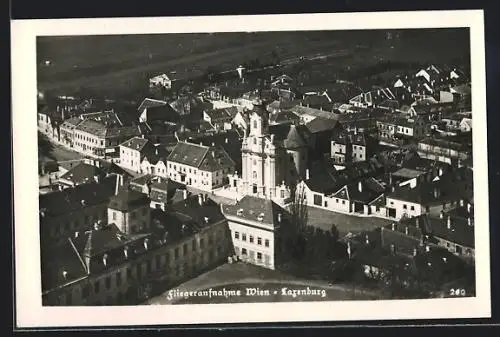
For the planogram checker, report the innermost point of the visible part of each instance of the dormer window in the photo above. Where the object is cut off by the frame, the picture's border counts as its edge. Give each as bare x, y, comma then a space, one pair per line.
260, 217
240, 212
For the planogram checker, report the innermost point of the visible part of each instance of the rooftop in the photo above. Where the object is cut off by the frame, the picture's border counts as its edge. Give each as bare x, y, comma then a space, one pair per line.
255, 209
203, 157
127, 200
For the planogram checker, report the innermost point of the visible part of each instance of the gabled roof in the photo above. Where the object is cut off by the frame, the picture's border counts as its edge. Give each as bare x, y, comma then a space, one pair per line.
256, 210
221, 114
71, 123
75, 198
460, 232
200, 156
136, 143
321, 124
149, 103
82, 173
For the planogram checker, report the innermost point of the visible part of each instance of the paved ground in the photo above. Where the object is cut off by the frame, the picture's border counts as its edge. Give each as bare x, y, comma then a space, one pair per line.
60, 153
241, 276
345, 223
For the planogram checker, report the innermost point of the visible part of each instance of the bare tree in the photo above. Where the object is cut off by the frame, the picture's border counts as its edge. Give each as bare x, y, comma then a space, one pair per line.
298, 209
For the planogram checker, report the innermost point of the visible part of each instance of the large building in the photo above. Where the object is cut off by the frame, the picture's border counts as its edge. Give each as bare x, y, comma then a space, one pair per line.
133, 151
199, 166
73, 209
259, 231
109, 265
273, 157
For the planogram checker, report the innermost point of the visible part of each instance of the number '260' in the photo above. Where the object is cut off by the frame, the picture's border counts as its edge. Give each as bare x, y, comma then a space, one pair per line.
457, 292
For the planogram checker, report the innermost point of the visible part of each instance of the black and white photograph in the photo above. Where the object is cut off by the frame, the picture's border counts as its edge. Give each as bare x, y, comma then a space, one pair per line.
250, 169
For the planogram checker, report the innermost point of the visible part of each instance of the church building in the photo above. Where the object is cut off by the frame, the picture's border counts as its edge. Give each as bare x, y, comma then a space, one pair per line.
274, 158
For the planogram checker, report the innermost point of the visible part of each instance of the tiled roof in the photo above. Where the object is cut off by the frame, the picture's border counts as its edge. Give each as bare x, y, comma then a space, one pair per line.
149, 103
157, 154
128, 199
203, 157
136, 143
302, 110
408, 173
283, 117
321, 124
323, 178
255, 209
460, 231
72, 199
290, 135
82, 173
444, 144
222, 114
71, 123
102, 131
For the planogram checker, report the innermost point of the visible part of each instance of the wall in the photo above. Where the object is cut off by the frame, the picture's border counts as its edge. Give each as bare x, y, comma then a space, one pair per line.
253, 248
130, 159
171, 263
56, 229
400, 209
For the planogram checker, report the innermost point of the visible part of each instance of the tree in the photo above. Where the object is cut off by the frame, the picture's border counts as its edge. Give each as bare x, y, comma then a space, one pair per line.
298, 219
334, 232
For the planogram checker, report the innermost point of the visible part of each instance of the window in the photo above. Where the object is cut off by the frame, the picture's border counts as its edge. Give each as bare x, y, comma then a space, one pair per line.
318, 199
255, 124
343, 202
158, 261
194, 244
185, 249
236, 235
211, 238
118, 279
337, 201
129, 273
259, 241
412, 208
97, 286
244, 237
326, 203
404, 206
202, 243
251, 239
254, 174
149, 266
266, 243
259, 256
176, 253
108, 282
255, 141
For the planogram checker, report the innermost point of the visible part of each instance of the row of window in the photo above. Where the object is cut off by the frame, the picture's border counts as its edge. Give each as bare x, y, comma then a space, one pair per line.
72, 225
318, 200
89, 139
261, 258
251, 239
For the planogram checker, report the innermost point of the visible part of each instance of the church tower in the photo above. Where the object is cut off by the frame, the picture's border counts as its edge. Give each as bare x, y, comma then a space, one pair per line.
259, 158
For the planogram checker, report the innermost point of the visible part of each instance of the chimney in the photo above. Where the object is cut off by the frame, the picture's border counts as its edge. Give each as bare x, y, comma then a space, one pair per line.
77, 234
469, 207
441, 214
461, 202
440, 171
105, 259
125, 252
272, 138
448, 222
393, 226
415, 251
184, 194
226, 141
367, 240
349, 249
200, 199
97, 178
406, 230
417, 222
307, 174
65, 274
146, 244
360, 186
96, 226
393, 249
279, 217
427, 248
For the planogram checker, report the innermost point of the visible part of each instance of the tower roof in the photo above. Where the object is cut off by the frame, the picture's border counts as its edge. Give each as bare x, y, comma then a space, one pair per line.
127, 200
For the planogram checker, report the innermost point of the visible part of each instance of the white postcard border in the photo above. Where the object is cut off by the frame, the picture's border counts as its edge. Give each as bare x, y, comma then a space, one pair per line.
29, 310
